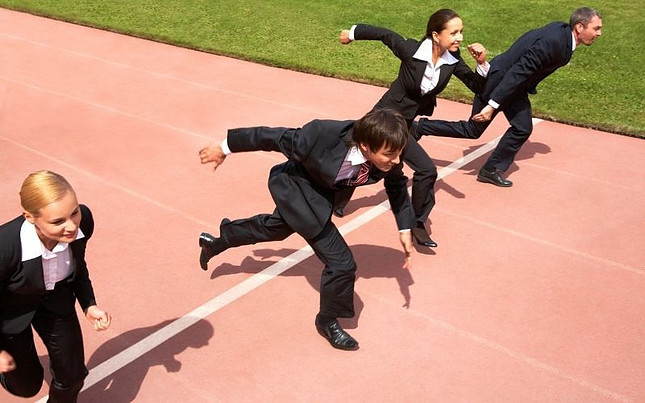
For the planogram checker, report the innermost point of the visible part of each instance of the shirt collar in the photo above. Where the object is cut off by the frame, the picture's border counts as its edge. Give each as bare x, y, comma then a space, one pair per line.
31, 245
355, 156
573, 41
425, 53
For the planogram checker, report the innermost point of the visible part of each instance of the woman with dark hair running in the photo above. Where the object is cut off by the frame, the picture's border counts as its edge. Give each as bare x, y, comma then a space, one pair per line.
426, 67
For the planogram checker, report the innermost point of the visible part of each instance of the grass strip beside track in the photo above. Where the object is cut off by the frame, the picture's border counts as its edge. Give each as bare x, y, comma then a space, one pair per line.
601, 88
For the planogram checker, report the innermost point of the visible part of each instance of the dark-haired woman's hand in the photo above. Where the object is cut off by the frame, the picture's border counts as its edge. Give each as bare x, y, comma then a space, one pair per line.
478, 52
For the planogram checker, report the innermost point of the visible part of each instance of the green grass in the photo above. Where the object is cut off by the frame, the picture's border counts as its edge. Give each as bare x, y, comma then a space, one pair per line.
601, 88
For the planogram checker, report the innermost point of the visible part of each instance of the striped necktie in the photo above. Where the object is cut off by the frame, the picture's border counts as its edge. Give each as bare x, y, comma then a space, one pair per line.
361, 177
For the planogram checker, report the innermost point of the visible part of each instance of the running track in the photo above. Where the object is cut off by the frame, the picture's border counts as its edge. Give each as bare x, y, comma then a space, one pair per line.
535, 293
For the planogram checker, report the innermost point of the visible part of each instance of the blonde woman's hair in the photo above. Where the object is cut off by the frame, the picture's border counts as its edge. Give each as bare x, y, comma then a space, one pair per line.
41, 188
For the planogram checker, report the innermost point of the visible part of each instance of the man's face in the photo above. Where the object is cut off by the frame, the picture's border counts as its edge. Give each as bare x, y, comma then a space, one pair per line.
383, 159
586, 35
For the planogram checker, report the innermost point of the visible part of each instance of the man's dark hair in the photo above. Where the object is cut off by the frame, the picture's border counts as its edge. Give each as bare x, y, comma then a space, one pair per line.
381, 127
583, 15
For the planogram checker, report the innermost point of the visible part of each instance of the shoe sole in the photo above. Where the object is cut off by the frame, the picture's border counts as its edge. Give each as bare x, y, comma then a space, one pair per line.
429, 245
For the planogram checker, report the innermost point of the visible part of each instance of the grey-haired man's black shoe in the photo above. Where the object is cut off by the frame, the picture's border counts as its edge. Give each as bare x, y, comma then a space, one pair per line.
493, 177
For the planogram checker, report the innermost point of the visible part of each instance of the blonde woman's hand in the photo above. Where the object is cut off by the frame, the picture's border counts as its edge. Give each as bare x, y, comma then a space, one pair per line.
99, 318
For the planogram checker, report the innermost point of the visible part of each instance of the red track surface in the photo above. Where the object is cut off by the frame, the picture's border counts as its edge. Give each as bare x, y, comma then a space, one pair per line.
535, 293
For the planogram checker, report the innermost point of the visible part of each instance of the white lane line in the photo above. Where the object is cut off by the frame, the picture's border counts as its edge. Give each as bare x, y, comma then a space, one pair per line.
166, 76
109, 109
133, 352
130, 354
507, 351
140, 348
180, 130
551, 245
123, 189
631, 187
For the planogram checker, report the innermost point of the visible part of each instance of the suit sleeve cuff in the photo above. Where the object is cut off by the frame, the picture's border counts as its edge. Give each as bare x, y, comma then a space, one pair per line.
351, 32
225, 148
482, 69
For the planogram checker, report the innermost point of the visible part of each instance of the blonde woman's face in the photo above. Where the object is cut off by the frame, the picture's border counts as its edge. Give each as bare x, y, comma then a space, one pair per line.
58, 221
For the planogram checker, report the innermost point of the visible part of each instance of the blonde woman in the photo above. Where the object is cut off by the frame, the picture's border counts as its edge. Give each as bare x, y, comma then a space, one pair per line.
42, 275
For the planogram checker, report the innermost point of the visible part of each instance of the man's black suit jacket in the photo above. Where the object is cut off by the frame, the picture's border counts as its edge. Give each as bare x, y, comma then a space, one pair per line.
303, 188
22, 286
530, 59
404, 94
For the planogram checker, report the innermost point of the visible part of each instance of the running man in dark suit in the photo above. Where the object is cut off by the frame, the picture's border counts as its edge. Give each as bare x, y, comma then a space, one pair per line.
324, 157
513, 75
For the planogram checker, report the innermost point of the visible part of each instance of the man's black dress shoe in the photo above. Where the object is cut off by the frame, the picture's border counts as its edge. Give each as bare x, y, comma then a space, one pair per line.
421, 236
336, 336
414, 129
211, 246
338, 212
206, 242
493, 177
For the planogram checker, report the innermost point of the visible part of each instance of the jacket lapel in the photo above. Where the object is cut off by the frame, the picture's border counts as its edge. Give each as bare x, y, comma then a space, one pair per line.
32, 271
31, 256
337, 156
419, 70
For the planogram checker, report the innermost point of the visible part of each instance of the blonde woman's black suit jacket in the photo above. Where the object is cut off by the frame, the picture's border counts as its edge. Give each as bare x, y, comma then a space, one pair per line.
22, 286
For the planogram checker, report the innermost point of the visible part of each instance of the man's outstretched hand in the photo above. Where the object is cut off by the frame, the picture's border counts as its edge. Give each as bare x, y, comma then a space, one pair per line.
212, 154
406, 241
